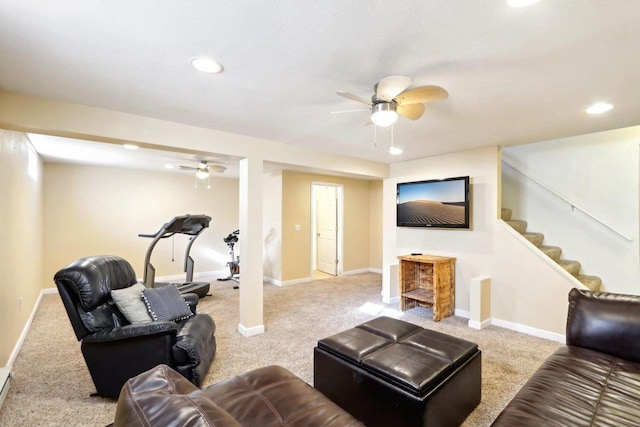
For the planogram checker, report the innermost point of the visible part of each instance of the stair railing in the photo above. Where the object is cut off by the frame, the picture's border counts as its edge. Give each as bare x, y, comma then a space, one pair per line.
573, 205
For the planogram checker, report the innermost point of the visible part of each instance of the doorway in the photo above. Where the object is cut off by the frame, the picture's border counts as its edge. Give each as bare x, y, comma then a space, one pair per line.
326, 230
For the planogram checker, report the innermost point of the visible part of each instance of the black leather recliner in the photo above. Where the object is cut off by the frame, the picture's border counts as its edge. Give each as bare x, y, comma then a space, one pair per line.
116, 350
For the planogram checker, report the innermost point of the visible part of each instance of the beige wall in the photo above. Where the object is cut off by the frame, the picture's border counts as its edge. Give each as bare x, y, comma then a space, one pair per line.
272, 225
20, 244
296, 210
92, 210
375, 224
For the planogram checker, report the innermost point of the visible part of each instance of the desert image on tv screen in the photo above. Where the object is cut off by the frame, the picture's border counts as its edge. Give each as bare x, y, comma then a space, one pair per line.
432, 203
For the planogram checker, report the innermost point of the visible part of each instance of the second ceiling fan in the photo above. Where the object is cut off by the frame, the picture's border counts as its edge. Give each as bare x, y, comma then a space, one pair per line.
391, 97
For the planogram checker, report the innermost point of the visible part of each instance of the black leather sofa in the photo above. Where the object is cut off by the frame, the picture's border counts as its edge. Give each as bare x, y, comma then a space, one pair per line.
595, 379
115, 349
264, 397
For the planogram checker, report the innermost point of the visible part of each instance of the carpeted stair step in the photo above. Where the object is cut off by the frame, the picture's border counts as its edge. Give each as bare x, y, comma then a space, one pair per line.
505, 214
592, 282
535, 238
519, 226
573, 267
552, 252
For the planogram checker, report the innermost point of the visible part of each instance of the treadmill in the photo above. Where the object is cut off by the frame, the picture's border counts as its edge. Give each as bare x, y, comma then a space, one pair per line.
191, 225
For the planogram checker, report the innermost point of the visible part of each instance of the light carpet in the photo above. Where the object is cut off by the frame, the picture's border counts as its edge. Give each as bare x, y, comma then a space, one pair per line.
51, 386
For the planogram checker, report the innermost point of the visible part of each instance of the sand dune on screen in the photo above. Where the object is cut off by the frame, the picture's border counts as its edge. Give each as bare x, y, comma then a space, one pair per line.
429, 212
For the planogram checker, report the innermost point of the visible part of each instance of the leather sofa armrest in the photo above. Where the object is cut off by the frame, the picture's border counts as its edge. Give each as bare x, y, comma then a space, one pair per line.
135, 330
605, 322
161, 396
191, 299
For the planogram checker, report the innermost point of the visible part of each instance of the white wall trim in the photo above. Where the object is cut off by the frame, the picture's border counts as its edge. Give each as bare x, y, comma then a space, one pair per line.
362, 271
392, 300
474, 324
529, 330
249, 332
201, 275
27, 326
287, 282
461, 313
533, 248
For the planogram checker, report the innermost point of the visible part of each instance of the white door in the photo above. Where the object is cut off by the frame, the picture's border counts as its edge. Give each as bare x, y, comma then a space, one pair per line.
326, 229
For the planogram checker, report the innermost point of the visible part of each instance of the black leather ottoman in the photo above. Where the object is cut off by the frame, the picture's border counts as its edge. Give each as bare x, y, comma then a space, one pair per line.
387, 372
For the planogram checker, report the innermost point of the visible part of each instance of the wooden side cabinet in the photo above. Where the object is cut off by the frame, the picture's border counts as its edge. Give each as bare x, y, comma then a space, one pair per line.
428, 281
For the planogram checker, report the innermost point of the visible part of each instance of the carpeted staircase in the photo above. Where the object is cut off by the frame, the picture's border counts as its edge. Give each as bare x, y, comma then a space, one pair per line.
553, 252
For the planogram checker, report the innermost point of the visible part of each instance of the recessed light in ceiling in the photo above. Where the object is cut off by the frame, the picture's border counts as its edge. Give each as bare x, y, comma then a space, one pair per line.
206, 65
599, 108
395, 150
521, 3
167, 166
130, 146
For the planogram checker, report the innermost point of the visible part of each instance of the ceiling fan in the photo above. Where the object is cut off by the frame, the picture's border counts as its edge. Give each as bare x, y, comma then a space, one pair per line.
203, 169
391, 97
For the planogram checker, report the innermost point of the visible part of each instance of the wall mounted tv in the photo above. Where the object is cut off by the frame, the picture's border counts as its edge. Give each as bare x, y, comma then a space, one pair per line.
441, 203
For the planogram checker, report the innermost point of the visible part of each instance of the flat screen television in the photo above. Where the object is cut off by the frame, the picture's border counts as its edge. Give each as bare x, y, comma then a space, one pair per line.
438, 203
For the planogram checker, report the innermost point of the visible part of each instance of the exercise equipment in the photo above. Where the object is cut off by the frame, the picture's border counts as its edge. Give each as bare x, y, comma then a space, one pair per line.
234, 264
191, 225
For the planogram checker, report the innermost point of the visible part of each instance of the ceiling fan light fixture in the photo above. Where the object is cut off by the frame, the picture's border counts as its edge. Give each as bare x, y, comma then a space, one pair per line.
384, 114
395, 150
202, 174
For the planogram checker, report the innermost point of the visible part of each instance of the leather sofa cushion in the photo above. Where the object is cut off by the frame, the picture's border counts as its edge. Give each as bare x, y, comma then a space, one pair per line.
390, 328
265, 397
450, 348
273, 396
409, 368
605, 322
94, 277
354, 344
577, 386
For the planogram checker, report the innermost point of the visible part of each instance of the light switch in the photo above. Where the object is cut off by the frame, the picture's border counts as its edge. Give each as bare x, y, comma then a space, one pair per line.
297, 227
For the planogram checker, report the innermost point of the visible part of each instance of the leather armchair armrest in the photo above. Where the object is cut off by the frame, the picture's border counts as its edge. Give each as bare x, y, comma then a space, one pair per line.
191, 299
136, 330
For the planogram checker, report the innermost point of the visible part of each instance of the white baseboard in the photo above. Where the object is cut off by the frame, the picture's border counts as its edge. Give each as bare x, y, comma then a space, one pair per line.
361, 271
286, 282
474, 324
5, 383
461, 313
392, 300
199, 275
25, 330
249, 332
529, 330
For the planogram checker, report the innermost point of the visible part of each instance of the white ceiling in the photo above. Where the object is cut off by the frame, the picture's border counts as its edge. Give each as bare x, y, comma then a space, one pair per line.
513, 75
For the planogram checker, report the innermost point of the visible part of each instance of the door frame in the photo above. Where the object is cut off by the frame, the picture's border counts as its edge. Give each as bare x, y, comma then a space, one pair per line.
340, 222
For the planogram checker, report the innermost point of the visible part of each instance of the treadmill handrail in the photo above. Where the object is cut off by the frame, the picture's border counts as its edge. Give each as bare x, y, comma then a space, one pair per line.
195, 224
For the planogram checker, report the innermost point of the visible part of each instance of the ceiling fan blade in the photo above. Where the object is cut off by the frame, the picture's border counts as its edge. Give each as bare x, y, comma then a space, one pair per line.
187, 168
350, 111
389, 87
216, 168
353, 97
410, 111
422, 94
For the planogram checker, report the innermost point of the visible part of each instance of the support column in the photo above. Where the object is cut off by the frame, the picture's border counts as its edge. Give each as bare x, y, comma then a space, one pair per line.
480, 302
251, 290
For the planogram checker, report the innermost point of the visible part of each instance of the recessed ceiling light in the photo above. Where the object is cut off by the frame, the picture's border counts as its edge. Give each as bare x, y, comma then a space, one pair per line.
130, 146
521, 3
599, 108
395, 150
206, 65
167, 166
